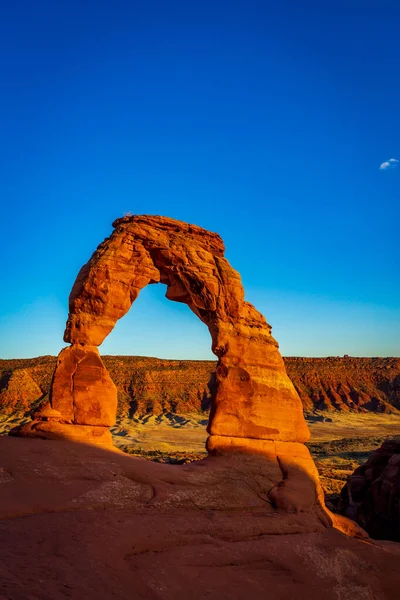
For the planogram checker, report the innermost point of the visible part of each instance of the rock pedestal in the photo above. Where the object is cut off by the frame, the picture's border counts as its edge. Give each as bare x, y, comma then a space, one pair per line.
83, 400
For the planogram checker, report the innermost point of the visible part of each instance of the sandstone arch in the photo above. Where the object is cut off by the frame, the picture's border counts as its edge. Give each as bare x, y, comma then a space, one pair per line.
255, 409
254, 397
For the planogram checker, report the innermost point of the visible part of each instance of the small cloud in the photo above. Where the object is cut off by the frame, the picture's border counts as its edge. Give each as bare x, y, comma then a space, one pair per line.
392, 163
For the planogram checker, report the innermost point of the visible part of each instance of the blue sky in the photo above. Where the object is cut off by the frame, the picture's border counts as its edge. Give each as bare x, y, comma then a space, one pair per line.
266, 122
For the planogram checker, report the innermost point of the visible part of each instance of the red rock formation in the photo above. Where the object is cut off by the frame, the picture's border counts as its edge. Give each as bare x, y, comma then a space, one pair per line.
83, 399
347, 383
253, 396
82, 389
157, 386
18, 390
255, 408
372, 495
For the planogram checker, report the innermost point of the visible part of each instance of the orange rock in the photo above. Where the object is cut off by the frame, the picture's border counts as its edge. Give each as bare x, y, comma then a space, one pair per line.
83, 400
50, 430
297, 486
184, 386
253, 397
82, 522
46, 413
255, 408
82, 390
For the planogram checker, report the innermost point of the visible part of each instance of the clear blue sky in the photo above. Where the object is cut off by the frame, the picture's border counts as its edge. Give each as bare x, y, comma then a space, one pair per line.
264, 121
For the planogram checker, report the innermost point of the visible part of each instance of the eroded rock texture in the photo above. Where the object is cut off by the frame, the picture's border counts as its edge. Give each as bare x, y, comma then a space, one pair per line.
372, 495
254, 398
158, 386
18, 390
83, 400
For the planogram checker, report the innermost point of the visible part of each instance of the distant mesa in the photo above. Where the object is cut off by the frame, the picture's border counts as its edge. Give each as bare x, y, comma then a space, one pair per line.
158, 386
18, 391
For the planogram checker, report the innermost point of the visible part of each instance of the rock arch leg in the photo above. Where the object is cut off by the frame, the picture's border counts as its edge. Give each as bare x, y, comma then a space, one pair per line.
83, 400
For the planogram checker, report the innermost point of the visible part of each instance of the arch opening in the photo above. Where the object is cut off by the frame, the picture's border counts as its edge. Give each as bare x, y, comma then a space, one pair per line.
164, 392
158, 328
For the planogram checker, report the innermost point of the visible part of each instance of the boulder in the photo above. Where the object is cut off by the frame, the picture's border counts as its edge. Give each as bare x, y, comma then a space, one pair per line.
372, 495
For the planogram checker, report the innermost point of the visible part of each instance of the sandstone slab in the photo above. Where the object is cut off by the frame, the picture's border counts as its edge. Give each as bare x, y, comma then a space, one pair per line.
78, 522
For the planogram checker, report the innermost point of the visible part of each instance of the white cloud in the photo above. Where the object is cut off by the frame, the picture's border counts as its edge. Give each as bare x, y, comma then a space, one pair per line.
392, 163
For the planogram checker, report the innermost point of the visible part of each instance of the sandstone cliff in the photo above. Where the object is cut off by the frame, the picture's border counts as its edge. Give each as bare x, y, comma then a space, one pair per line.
151, 385
347, 383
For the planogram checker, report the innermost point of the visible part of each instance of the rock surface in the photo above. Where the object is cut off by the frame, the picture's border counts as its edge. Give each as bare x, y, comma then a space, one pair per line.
82, 389
255, 409
347, 383
18, 391
78, 522
372, 495
83, 400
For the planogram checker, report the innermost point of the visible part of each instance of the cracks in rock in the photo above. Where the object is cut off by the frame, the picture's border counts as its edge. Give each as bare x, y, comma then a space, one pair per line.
72, 387
153, 491
284, 471
279, 483
243, 477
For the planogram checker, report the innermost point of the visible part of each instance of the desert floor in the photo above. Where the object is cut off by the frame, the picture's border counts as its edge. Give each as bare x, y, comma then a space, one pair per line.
188, 434
339, 442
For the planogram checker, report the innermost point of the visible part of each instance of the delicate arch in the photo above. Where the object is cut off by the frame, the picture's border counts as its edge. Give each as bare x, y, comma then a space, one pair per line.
253, 396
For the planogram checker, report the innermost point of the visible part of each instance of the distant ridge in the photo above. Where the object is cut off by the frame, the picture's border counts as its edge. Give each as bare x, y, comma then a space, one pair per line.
152, 385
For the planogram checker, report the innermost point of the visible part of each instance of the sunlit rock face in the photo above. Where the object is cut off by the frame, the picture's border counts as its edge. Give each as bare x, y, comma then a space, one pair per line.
82, 389
83, 400
254, 398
